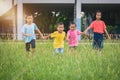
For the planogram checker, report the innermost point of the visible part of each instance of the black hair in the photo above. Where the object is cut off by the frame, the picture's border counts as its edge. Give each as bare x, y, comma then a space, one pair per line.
95, 13
98, 11
72, 23
60, 23
28, 15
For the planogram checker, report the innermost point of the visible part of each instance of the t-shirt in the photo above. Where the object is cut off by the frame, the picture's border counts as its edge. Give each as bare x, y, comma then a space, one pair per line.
98, 26
29, 29
58, 39
72, 37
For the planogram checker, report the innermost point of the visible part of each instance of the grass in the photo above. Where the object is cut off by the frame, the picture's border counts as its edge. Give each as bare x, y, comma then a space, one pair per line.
84, 64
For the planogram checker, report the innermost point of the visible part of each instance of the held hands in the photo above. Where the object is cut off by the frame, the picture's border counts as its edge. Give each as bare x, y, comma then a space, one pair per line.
67, 39
42, 37
46, 37
85, 32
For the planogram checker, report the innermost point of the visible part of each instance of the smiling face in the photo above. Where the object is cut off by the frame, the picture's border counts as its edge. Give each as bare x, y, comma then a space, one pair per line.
29, 19
72, 26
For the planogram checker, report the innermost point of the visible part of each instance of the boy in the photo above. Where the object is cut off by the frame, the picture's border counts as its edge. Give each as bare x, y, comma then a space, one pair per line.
59, 37
28, 32
99, 28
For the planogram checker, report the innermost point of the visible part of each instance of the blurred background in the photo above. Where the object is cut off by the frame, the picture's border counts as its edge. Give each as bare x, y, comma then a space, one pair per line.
47, 13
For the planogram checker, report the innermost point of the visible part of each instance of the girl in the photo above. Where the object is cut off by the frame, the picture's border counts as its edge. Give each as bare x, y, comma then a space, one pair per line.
72, 36
99, 28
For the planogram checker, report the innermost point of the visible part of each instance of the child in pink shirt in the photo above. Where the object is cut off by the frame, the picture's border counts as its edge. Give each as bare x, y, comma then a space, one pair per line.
72, 36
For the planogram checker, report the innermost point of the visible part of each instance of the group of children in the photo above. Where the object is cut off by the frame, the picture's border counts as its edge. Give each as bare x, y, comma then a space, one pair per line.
59, 36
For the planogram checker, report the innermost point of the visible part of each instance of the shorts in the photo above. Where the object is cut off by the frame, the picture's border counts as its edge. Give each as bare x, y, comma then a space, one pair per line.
59, 50
98, 40
32, 43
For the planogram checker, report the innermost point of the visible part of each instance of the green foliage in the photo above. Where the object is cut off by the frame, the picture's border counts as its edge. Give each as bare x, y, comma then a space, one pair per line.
83, 64
111, 29
47, 21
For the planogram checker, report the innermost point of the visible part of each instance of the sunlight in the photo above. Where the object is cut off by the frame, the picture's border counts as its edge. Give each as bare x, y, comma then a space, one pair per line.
5, 5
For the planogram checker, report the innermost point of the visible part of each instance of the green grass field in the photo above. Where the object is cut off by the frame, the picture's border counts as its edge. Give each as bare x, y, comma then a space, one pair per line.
84, 64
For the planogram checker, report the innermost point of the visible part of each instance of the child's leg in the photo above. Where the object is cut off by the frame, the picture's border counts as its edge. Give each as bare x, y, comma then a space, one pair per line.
72, 47
33, 45
61, 50
56, 50
100, 43
75, 47
95, 42
27, 47
33, 50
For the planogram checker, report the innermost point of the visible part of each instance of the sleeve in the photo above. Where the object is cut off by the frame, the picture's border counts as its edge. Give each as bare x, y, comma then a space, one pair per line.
52, 35
91, 25
35, 27
104, 26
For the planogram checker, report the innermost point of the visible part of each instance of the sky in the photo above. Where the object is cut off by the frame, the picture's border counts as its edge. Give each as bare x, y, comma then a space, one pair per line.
5, 5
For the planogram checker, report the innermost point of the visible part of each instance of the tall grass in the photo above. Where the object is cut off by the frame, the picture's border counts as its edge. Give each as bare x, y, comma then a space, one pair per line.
84, 64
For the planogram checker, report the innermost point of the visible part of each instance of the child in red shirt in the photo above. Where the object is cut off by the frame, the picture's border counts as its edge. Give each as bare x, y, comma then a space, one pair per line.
99, 28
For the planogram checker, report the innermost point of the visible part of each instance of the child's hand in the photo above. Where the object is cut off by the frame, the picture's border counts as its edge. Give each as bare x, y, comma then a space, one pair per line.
85, 32
43, 37
46, 37
109, 37
28, 34
67, 39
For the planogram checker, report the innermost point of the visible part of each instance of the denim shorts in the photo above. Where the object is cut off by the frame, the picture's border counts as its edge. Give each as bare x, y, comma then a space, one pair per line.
59, 50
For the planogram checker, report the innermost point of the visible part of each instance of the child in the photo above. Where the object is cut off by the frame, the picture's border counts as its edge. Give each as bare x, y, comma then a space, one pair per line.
59, 37
72, 36
28, 32
99, 28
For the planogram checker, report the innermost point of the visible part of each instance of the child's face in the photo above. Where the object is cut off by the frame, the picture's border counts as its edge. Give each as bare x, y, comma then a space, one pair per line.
72, 27
29, 19
98, 15
60, 28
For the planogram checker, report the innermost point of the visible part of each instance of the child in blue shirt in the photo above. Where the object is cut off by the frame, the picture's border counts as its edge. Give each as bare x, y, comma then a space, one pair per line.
28, 31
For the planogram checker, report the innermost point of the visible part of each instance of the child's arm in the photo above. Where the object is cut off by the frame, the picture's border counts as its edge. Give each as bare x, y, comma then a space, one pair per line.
40, 33
48, 36
82, 33
89, 27
67, 37
26, 34
107, 34
86, 30
52, 35
23, 32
